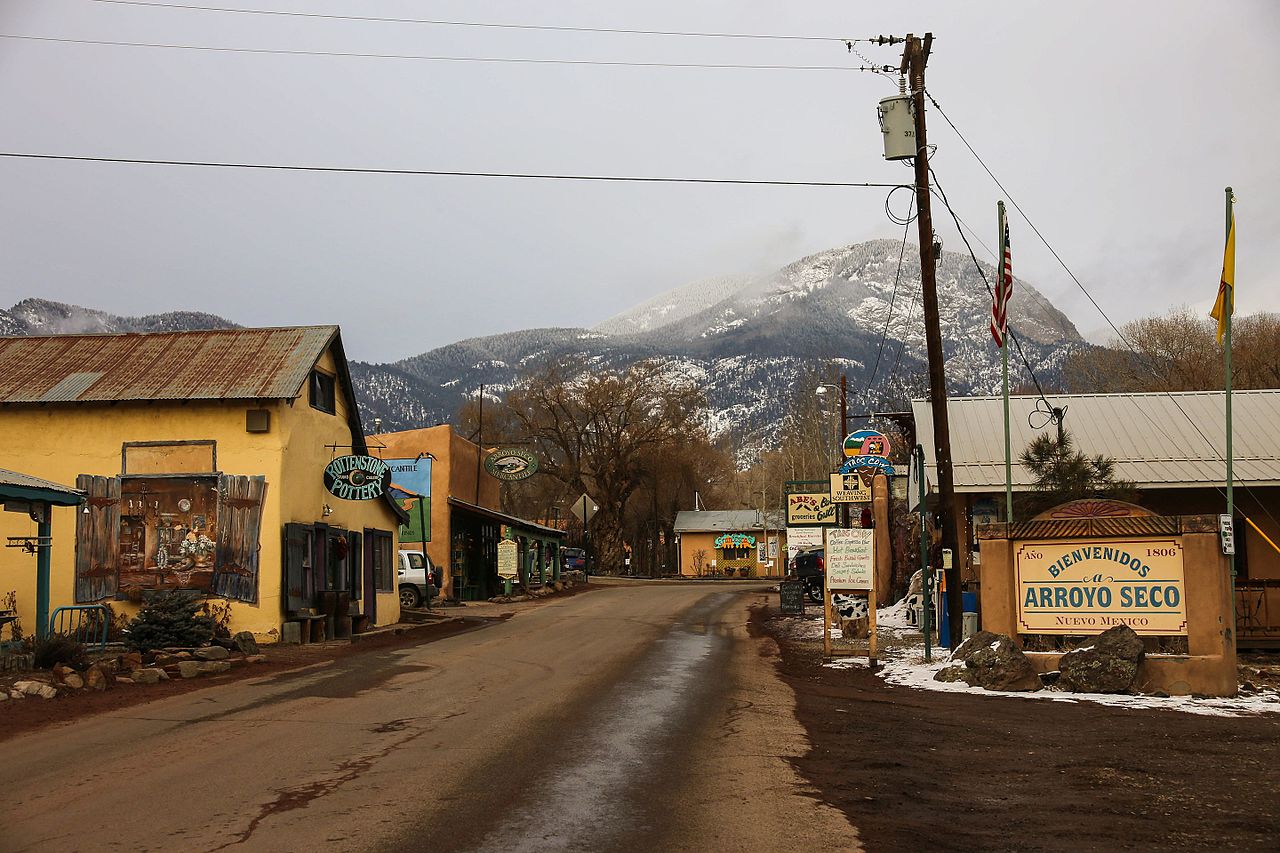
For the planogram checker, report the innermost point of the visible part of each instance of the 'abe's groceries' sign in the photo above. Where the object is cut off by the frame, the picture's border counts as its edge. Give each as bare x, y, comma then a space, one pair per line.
810, 508
1084, 587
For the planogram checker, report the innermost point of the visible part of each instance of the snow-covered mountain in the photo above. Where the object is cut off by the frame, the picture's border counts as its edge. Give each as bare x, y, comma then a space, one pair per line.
747, 340
43, 317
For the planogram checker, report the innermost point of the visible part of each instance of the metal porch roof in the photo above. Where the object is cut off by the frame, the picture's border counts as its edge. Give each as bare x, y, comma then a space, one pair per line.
19, 486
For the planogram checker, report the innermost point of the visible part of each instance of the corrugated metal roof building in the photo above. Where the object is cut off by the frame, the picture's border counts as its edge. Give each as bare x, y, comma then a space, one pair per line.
1171, 446
203, 458
1157, 440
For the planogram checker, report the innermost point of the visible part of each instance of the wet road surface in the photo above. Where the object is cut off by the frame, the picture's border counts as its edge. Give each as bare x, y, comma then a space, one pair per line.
632, 718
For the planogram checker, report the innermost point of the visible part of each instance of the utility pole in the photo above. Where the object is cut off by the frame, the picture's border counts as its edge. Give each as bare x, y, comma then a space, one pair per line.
914, 59
845, 510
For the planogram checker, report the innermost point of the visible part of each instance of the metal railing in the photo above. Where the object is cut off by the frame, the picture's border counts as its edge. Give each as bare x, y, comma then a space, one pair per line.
1257, 609
87, 623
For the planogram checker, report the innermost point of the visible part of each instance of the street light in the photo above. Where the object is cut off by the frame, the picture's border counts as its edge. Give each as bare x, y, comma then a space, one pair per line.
821, 391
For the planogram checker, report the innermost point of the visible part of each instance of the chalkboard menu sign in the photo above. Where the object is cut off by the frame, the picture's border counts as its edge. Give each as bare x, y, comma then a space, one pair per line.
792, 597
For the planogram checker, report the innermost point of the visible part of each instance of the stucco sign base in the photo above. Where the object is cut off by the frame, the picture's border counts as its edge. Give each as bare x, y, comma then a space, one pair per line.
1087, 546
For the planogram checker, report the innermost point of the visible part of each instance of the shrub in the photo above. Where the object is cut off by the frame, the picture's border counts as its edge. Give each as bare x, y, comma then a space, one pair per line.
58, 648
169, 619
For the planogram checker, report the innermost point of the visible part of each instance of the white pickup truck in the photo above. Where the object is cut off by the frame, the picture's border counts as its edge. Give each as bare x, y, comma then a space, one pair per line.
418, 579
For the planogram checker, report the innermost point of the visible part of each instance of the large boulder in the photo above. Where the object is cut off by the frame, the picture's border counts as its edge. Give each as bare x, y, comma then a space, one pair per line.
35, 688
98, 677
1108, 664
245, 643
212, 653
992, 662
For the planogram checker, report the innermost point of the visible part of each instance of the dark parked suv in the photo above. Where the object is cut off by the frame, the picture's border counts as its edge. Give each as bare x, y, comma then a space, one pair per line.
810, 568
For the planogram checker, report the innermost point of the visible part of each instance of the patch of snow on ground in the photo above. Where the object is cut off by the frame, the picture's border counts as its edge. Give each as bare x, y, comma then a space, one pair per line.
901, 658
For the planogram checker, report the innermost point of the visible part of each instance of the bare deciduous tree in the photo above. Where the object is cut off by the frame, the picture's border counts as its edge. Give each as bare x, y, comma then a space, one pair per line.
601, 432
1179, 351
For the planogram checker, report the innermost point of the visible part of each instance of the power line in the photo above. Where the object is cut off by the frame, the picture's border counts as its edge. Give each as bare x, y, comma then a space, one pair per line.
1157, 374
1053, 312
438, 172
1022, 355
1023, 213
884, 333
425, 58
480, 24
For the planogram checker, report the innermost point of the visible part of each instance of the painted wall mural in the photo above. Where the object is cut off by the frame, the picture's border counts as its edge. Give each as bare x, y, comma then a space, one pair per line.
411, 489
169, 532
735, 540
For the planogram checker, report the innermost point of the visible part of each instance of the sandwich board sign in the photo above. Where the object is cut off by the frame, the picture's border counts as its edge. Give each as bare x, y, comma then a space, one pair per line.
850, 568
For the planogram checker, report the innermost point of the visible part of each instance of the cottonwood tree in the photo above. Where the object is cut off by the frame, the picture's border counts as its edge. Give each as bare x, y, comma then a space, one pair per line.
1179, 351
600, 432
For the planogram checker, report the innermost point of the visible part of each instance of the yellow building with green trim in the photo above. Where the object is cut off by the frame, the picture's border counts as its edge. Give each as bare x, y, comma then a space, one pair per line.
203, 456
730, 543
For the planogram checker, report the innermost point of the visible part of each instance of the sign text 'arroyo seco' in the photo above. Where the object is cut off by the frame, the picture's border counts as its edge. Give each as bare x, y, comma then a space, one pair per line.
1087, 587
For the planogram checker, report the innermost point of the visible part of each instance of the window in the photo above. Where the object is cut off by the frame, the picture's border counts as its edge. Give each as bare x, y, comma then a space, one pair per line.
736, 553
384, 569
322, 392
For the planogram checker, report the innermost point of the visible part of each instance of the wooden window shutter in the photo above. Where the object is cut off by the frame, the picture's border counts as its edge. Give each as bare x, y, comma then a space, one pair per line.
240, 500
355, 563
98, 538
296, 543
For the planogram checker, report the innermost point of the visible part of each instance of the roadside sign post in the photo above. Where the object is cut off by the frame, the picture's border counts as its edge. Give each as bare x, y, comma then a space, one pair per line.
850, 567
791, 598
917, 458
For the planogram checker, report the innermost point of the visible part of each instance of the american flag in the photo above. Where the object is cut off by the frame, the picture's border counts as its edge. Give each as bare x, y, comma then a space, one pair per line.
1003, 291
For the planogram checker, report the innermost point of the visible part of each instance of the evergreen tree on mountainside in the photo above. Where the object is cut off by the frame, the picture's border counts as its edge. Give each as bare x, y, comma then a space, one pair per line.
1062, 473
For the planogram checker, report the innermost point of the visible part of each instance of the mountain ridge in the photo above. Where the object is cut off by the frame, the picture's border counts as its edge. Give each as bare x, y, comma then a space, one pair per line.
747, 340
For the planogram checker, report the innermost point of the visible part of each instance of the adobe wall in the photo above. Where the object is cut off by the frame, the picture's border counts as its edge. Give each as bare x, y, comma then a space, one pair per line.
1209, 667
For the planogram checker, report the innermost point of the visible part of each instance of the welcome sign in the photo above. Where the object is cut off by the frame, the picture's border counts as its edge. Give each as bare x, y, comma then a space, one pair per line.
1086, 587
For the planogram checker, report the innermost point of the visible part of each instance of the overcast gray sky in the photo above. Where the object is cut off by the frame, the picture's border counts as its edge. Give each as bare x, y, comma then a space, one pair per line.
1115, 125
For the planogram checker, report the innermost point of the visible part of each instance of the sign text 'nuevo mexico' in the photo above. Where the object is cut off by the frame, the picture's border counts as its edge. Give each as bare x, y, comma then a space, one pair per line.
1086, 587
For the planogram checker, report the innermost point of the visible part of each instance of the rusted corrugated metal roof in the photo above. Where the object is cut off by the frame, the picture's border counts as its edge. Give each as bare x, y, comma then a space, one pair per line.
222, 364
1155, 439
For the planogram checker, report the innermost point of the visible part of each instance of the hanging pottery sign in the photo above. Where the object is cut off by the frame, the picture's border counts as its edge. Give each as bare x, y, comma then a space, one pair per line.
735, 540
357, 478
511, 464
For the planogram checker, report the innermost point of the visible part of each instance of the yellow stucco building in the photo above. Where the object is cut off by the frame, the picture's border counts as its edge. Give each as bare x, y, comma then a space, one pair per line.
203, 456
730, 543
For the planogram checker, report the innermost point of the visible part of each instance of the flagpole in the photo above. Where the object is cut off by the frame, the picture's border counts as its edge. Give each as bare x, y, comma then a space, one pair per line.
1229, 309
1004, 376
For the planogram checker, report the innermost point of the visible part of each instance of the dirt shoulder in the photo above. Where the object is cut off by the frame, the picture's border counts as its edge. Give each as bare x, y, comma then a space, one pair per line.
20, 716
913, 768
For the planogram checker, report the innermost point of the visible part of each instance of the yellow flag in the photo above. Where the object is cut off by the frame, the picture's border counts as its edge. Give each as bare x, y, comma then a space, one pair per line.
1225, 306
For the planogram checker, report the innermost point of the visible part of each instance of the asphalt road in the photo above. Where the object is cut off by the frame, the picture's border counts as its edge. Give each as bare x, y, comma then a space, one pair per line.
631, 718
